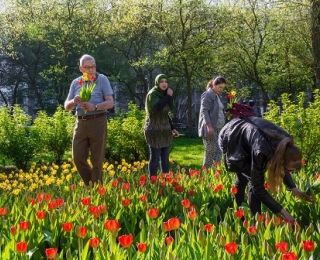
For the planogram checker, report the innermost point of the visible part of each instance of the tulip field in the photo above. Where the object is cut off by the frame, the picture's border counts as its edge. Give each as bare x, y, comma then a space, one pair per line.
48, 213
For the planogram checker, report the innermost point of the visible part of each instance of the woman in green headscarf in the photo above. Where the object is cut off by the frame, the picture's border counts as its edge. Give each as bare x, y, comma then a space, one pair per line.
158, 128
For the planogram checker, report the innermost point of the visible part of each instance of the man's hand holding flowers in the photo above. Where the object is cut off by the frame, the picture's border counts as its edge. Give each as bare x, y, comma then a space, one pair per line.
87, 86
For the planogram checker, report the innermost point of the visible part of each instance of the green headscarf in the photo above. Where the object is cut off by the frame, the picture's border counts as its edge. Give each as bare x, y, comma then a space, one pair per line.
156, 94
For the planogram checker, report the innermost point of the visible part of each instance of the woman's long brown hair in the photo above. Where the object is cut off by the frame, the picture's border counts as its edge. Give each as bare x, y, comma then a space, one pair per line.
284, 153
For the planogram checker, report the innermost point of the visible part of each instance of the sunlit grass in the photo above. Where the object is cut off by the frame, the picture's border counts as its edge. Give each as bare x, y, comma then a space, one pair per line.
187, 152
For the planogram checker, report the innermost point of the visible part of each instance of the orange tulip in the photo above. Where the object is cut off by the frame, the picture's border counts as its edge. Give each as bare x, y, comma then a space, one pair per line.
186, 203
51, 252
153, 213
125, 240
142, 247
169, 240
112, 225
22, 247
192, 214
94, 242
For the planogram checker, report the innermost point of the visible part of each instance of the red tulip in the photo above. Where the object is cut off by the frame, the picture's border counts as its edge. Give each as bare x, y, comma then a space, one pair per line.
142, 247
40, 197
308, 246
143, 198
85, 201
24, 225
102, 209
252, 230
47, 197
33, 201
169, 240
186, 203
112, 225
192, 214
125, 240
13, 230
94, 210
142, 183
73, 187
126, 186
126, 202
289, 256
101, 190
22, 247
231, 248
261, 218
114, 184
67, 227
81, 231
143, 177
209, 227
282, 246
41, 214
153, 179
239, 213
153, 213
59, 202
51, 252
3, 211
52, 205
234, 190
218, 188
191, 192
80, 82
94, 242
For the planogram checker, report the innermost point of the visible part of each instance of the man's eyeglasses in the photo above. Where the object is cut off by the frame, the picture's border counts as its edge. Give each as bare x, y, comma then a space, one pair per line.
89, 67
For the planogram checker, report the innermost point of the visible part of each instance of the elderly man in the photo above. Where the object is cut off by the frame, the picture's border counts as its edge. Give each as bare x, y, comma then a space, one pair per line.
90, 129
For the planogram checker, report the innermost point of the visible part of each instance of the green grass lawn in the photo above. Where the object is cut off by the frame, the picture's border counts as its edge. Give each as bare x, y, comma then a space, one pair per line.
188, 152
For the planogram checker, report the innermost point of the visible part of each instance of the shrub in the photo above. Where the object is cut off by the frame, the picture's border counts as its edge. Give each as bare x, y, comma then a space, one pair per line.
301, 121
125, 135
18, 139
55, 132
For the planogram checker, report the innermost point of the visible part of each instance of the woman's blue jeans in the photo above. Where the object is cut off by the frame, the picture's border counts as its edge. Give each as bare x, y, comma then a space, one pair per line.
157, 154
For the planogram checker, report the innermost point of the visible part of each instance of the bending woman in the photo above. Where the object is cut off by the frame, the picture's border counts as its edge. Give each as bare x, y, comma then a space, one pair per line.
253, 147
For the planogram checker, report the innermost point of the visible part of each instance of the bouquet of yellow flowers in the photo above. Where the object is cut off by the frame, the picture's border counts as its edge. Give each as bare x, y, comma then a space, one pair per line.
87, 86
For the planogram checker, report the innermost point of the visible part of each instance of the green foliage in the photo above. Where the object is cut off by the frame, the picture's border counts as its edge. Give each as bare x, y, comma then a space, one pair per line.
18, 139
55, 132
301, 121
125, 135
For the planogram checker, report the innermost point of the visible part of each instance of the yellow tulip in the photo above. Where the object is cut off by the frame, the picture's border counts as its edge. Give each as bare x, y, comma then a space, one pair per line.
85, 76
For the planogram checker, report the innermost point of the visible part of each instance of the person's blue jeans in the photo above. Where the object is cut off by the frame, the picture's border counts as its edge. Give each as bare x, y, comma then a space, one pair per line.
157, 154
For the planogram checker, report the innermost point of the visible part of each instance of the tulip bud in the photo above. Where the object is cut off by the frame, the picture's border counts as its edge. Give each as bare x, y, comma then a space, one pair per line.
150, 236
289, 227
141, 224
296, 228
269, 249
244, 239
202, 237
105, 245
95, 227
298, 237
52, 217
77, 231
68, 254
245, 224
222, 240
216, 207
189, 227
1, 240
217, 239
282, 232
309, 230
201, 226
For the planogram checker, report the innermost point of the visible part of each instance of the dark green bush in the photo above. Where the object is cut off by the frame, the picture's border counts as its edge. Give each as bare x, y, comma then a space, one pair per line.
301, 120
18, 139
55, 132
125, 136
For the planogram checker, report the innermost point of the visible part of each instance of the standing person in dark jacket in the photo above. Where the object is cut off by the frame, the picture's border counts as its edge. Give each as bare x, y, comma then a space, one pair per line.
211, 120
158, 128
249, 153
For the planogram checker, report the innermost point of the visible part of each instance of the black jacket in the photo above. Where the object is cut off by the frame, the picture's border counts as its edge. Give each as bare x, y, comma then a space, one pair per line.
246, 150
